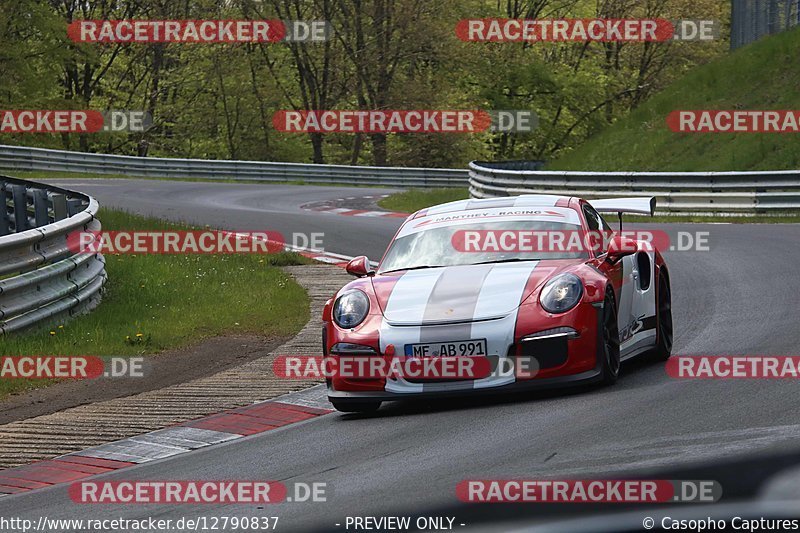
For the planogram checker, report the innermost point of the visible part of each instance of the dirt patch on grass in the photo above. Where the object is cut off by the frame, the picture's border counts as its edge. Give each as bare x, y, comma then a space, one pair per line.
167, 368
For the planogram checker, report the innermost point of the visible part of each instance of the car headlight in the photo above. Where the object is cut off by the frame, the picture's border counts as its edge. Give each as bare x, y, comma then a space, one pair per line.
561, 293
350, 309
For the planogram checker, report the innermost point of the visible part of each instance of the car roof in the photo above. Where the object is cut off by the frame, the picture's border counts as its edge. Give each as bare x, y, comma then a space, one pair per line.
524, 200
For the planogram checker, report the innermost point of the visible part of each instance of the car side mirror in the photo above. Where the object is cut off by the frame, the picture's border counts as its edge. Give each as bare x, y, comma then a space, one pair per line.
359, 267
620, 247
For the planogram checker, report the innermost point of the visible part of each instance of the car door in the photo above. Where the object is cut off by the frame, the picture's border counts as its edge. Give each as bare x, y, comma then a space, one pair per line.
623, 274
632, 279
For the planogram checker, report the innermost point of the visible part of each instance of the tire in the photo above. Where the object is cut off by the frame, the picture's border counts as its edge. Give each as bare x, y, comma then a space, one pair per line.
663, 348
355, 406
609, 338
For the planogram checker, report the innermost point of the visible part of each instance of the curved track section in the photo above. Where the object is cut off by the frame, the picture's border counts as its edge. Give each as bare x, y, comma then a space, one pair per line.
737, 298
245, 207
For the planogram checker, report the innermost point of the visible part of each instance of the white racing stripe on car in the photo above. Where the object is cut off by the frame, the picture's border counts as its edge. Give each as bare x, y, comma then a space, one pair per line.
410, 295
406, 305
500, 335
456, 294
502, 289
482, 291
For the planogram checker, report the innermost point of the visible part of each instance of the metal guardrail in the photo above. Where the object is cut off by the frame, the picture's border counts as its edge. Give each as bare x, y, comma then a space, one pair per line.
718, 193
698, 193
24, 158
41, 279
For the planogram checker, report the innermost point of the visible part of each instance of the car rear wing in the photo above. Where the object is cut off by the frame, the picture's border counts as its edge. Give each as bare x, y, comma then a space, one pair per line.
645, 205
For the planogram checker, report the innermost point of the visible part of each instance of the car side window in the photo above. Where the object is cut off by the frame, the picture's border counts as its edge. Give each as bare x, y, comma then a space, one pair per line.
592, 218
604, 225
597, 224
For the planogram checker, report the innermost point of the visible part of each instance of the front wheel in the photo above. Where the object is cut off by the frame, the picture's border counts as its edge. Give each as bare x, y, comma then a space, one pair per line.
609, 351
355, 406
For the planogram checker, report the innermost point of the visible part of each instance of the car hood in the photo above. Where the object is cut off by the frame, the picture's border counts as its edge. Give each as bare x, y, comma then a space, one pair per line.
460, 293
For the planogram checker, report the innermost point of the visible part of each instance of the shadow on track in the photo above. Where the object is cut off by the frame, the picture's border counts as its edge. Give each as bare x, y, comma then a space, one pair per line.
460, 403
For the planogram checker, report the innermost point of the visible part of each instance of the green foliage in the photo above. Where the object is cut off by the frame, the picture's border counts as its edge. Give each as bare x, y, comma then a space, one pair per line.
217, 101
763, 75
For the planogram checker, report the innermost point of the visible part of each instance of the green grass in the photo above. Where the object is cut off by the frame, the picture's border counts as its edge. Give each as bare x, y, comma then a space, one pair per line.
415, 199
172, 301
764, 75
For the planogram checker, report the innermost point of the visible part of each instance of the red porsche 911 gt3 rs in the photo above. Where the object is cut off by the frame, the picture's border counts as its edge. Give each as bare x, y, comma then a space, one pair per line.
535, 278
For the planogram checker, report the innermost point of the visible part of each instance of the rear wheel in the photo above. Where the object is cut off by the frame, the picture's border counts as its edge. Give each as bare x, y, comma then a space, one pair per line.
609, 351
663, 348
355, 406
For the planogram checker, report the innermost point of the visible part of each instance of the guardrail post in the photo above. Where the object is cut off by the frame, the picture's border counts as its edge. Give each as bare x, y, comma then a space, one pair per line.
20, 200
5, 222
74, 206
59, 207
40, 208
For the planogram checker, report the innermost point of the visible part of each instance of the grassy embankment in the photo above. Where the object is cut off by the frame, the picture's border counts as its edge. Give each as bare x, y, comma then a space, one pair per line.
764, 75
157, 302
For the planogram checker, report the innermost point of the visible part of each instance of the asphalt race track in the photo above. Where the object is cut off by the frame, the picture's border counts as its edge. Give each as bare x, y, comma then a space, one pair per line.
741, 297
244, 207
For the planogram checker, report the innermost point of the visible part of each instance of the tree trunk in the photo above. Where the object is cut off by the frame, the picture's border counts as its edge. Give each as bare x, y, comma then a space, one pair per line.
378, 149
316, 145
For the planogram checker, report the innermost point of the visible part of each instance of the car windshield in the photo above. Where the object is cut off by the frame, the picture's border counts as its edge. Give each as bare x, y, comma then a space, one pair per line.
484, 242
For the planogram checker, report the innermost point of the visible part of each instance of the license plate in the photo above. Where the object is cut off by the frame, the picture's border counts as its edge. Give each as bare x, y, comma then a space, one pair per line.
447, 349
